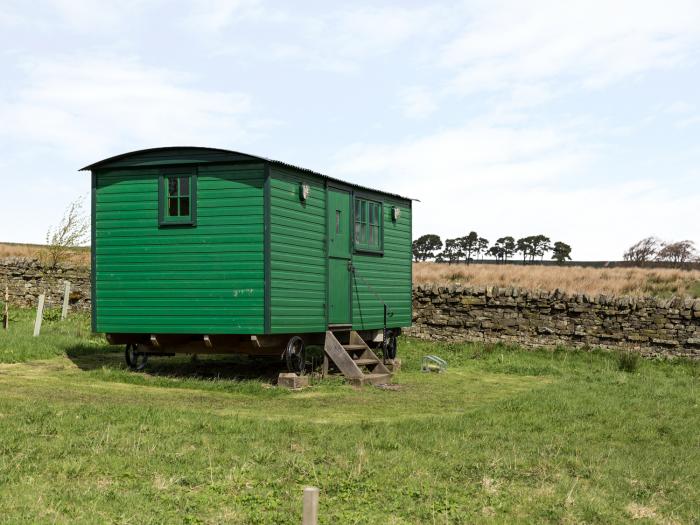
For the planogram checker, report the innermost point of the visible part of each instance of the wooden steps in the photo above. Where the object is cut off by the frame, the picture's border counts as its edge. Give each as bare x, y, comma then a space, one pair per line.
355, 360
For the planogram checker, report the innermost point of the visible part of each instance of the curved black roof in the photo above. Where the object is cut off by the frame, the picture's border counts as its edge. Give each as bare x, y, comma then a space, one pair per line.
151, 157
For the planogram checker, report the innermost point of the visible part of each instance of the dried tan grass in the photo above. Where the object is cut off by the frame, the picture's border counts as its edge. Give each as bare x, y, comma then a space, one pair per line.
662, 282
80, 256
19, 250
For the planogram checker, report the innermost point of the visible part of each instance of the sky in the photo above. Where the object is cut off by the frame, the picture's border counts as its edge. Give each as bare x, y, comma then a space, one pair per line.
579, 120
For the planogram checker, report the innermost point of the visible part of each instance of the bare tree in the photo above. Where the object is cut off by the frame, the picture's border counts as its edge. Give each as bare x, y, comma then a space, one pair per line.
678, 253
642, 251
67, 235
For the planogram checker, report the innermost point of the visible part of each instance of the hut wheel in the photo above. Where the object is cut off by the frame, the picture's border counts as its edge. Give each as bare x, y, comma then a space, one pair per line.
295, 355
135, 360
390, 346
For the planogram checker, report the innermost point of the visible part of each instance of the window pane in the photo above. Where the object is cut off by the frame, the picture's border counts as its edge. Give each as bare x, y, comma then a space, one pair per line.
172, 207
337, 221
172, 186
357, 232
364, 211
363, 232
184, 186
376, 235
358, 205
184, 206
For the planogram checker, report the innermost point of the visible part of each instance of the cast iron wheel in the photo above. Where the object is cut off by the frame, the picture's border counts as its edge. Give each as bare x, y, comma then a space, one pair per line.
390, 346
135, 360
295, 355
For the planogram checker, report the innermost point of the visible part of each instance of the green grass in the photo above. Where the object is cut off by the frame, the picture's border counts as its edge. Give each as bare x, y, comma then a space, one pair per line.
57, 337
694, 290
669, 285
504, 436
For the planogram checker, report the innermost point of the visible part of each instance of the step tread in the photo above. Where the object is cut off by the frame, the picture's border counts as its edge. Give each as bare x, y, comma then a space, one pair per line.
354, 347
367, 361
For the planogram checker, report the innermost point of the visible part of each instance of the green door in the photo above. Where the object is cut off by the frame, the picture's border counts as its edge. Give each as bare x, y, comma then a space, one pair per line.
339, 254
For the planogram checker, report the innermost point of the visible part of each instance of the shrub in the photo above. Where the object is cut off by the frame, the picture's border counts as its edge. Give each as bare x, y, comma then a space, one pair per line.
63, 239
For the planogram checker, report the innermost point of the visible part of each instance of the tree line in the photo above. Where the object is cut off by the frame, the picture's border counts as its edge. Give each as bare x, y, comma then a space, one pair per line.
468, 248
653, 249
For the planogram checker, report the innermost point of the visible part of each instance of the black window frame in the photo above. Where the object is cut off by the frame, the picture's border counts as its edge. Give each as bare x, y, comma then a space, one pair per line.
164, 219
363, 246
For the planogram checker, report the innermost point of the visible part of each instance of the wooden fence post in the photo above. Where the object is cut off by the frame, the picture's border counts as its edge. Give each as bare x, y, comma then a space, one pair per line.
310, 507
66, 295
39, 315
6, 312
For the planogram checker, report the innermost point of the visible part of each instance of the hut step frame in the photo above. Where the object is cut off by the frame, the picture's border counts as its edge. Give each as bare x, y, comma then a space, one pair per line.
351, 358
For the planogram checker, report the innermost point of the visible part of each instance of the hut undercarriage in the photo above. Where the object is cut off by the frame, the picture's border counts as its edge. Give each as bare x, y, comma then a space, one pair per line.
346, 351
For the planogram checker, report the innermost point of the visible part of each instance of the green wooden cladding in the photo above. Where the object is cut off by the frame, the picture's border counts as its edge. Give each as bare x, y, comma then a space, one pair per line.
255, 261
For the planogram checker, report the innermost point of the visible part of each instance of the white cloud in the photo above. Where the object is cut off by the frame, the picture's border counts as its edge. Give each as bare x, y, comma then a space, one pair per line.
216, 15
417, 102
591, 43
89, 106
377, 30
509, 181
690, 121
95, 16
337, 40
463, 158
527, 151
47, 16
679, 107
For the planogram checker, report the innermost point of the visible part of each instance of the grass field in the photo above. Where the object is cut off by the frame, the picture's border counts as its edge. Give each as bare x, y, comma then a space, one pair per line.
504, 436
659, 282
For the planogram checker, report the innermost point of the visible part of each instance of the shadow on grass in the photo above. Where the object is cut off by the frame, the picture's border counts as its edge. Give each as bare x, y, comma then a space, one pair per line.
205, 367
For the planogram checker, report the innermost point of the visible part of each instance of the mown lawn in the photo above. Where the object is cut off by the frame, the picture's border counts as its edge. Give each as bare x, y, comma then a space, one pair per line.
504, 436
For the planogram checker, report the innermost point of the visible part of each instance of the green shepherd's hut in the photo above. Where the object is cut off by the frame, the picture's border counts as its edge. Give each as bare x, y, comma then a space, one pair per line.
204, 250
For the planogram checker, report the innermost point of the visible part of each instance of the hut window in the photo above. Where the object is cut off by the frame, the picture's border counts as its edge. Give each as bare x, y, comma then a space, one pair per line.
368, 225
177, 197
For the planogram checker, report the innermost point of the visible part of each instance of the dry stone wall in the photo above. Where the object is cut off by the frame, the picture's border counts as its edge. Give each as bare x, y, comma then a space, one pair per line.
526, 317
539, 318
27, 279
